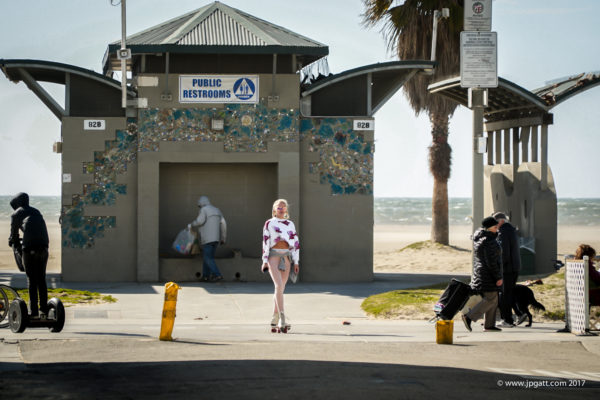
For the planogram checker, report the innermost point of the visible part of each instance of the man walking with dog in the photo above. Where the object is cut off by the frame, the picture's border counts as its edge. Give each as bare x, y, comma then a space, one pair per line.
511, 265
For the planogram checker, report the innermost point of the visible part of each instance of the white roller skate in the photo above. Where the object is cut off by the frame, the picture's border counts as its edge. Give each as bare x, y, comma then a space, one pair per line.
282, 326
274, 322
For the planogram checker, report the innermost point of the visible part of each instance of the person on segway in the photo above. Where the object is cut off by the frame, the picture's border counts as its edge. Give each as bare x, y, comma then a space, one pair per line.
33, 250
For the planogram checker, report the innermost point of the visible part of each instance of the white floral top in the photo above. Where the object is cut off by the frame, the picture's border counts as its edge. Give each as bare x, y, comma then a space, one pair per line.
276, 230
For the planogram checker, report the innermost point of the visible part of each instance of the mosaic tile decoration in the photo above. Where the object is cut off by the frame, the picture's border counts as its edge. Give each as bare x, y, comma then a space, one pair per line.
247, 127
346, 158
78, 230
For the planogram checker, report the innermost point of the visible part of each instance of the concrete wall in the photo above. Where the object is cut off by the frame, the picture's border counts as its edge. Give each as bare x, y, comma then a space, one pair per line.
286, 86
532, 210
257, 163
336, 201
99, 204
242, 191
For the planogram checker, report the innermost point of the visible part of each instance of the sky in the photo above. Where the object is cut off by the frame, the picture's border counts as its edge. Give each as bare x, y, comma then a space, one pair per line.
538, 41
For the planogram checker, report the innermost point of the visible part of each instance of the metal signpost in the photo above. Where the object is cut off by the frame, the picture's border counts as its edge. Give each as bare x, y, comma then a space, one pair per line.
478, 71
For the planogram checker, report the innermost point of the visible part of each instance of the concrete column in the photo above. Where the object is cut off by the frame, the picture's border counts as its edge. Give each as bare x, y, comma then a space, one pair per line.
490, 148
288, 181
498, 146
534, 143
506, 146
147, 226
544, 149
525, 131
515, 152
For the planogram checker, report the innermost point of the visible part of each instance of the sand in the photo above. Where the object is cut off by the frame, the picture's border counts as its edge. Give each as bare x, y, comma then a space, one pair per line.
388, 241
7, 259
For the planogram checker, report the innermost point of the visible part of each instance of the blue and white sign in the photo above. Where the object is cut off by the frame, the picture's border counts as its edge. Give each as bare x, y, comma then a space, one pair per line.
218, 89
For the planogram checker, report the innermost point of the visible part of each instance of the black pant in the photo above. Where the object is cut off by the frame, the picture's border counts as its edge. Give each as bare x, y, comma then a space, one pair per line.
34, 262
507, 299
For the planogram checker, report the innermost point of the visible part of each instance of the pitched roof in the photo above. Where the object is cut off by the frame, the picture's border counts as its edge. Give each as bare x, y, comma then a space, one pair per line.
218, 28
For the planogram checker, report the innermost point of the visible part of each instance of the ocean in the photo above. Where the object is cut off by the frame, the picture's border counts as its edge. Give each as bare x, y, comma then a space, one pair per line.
388, 210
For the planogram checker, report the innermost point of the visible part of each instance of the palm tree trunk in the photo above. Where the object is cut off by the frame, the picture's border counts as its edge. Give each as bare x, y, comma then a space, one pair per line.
439, 213
440, 160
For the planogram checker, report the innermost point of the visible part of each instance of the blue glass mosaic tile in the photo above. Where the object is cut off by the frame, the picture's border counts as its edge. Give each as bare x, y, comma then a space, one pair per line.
80, 231
345, 157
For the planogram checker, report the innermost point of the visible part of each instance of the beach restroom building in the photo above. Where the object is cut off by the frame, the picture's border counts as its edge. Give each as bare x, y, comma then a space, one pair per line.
215, 106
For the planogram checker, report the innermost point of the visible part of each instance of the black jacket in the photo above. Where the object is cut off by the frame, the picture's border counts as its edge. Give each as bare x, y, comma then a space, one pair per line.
509, 241
487, 261
30, 221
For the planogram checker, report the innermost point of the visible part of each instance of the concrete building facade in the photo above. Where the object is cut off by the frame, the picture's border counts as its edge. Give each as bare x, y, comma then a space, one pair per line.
215, 107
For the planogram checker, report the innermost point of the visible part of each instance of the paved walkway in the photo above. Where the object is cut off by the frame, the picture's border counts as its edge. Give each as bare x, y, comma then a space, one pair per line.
223, 348
238, 311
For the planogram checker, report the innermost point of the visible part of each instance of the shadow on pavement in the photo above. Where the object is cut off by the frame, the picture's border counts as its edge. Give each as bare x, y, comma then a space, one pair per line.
265, 379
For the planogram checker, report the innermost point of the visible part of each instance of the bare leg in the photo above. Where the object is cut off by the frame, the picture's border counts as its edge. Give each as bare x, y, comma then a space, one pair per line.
279, 280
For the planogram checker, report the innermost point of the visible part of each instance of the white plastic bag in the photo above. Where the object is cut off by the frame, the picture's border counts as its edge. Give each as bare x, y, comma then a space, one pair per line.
184, 241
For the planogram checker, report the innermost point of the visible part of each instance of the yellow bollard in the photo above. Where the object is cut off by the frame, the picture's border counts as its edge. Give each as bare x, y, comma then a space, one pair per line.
168, 314
444, 330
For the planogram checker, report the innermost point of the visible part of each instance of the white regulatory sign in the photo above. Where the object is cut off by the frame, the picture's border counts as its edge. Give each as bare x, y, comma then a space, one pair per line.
478, 15
94, 124
364, 125
478, 59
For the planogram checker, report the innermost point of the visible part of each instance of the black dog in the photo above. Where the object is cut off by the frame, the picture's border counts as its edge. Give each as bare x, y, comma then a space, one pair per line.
523, 299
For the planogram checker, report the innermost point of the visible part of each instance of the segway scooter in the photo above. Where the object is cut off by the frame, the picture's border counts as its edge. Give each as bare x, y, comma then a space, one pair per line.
19, 318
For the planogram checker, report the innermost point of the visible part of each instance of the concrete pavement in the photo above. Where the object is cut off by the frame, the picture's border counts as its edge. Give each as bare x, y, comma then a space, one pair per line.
238, 311
224, 322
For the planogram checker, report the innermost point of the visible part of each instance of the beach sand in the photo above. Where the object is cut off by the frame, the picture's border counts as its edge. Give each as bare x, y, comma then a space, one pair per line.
7, 259
388, 241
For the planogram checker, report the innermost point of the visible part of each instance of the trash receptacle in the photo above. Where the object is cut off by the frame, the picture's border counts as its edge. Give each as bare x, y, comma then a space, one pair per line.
527, 261
527, 253
444, 331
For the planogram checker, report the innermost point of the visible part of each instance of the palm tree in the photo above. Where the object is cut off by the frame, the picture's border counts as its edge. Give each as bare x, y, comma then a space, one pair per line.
407, 29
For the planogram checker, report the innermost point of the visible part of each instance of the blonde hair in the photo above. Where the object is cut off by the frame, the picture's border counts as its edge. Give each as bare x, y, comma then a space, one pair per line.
276, 203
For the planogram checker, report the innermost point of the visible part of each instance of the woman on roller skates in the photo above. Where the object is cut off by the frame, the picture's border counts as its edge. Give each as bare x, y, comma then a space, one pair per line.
280, 244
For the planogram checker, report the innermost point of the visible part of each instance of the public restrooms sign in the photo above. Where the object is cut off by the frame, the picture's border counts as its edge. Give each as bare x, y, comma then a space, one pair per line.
218, 89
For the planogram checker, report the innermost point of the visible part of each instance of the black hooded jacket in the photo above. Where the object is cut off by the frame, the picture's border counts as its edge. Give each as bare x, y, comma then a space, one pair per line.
487, 261
30, 221
509, 240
